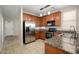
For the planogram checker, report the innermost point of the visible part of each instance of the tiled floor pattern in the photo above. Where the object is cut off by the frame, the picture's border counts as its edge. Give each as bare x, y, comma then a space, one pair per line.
11, 45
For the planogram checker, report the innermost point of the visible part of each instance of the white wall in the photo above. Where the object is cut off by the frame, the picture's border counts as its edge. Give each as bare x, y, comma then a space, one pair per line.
10, 27
12, 14
12, 19
68, 18
1, 30
77, 21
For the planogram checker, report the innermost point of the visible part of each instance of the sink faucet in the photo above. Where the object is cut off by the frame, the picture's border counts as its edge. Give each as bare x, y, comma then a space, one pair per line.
75, 33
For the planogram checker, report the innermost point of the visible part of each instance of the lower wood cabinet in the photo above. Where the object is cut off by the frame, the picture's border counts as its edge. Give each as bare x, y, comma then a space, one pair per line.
49, 49
40, 35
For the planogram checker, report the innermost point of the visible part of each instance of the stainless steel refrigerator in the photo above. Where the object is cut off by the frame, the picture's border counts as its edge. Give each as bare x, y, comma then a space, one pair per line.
28, 32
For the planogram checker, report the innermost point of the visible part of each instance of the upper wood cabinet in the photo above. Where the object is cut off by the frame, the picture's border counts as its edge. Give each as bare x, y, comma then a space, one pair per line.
27, 17
54, 16
35, 19
49, 17
43, 21
57, 18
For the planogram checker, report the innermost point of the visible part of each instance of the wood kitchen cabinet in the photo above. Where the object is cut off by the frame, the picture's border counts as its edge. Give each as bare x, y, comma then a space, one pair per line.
42, 21
52, 17
40, 35
49, 49
28, 17
57, 18
37, 21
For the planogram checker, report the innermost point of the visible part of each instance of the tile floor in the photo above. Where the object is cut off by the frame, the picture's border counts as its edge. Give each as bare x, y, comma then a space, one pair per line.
12, 46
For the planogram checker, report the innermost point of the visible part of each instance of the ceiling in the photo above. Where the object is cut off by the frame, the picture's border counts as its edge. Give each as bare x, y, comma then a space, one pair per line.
13, 11
35, 9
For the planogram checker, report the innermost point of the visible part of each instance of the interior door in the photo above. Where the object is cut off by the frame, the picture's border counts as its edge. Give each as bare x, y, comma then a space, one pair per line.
9, 28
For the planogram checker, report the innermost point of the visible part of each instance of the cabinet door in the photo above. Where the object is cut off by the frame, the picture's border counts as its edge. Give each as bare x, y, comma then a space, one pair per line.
26, 17
38, 21
37, 35
40, 35
57, 18
49, 49
9, 28
35, 19
51, 18
43, 21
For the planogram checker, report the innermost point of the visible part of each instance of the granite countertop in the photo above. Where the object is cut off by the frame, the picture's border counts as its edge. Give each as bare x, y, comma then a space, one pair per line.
57, 28
56, 42
65, 31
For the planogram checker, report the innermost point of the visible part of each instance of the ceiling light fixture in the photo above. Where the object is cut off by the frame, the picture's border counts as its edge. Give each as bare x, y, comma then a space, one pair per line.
41, 15
44, 13
48, 12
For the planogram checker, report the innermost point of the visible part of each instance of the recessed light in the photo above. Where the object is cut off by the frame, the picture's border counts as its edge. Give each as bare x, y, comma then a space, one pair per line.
44, 13
48, 12
41, 15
